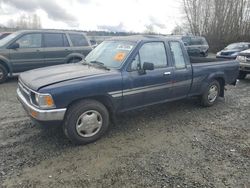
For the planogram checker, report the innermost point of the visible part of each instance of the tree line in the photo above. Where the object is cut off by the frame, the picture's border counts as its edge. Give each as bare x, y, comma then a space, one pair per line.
220, 21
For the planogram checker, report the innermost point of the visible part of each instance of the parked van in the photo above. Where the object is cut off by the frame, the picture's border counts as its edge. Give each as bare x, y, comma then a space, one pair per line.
195, 45
30, 49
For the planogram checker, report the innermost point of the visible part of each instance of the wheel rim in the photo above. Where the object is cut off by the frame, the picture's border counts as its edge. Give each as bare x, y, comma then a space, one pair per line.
213, 93
1, 74
89, 123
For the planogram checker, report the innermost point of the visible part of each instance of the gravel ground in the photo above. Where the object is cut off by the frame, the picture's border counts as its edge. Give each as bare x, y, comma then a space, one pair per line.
178, 144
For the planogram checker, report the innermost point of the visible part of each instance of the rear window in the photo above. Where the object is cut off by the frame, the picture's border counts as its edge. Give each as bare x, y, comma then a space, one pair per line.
55, 40
78, 40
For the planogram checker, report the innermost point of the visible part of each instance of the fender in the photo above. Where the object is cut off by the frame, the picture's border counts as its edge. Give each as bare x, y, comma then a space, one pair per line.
5, 61
210, 78
74, 55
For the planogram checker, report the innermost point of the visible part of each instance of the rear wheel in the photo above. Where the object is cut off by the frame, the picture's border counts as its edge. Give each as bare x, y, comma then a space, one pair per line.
204, 54
242, 75
211, 95
3, 74
75, 60
86, 121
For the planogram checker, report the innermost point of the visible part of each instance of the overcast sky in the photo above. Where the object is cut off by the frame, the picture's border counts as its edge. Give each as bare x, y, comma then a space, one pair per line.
112, 15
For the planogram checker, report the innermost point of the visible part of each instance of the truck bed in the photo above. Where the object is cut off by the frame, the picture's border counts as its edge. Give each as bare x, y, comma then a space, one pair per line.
206, 59
203, 68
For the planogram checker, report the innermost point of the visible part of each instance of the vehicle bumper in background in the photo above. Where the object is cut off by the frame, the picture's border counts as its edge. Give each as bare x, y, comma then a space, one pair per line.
245, 67
226, 57
38, 114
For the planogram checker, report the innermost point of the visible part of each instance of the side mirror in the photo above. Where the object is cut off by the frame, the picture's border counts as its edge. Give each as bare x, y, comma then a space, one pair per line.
14, 46
148, 66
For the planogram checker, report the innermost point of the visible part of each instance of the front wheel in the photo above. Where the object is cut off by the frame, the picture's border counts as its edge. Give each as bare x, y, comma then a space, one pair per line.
211, 95
86, 121
3, 74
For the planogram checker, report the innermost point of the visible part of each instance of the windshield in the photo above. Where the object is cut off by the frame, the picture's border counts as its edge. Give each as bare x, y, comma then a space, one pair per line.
8, 38
237, 46
110, 53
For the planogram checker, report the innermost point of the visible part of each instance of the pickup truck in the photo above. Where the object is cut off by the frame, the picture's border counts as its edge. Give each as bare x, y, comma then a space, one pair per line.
120, 74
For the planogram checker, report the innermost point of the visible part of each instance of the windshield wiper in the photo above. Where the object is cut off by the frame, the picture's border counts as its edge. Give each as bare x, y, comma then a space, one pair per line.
86, 63
100, 64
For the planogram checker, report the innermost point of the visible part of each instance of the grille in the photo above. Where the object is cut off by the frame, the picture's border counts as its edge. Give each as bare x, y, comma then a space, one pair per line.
247, 59
24, 90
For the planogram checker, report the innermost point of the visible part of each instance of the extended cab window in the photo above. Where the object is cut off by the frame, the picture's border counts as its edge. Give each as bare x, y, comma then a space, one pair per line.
152, 52
78, 40
55, 40
177, 55
30, 41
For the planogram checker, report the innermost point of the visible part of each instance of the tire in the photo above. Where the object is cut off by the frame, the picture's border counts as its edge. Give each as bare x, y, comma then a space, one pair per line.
204, 54
208, 98
96, 117
242, 75
3, 74
74, 60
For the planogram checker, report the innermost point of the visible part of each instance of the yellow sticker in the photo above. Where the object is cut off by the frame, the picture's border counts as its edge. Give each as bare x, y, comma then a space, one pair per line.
120, 56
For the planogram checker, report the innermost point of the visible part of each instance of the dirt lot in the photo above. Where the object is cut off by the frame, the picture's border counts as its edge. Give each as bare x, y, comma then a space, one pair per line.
172, 145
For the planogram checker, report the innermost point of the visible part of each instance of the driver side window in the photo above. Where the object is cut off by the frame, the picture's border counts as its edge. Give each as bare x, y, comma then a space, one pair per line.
30, 41
136, 65
152, 52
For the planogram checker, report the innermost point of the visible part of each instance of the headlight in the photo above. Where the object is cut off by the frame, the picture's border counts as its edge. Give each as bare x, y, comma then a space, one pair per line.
218, 54
241, 58
43, 100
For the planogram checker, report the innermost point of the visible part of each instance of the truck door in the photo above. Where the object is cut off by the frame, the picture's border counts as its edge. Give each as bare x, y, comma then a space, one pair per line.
150, 86
182, 70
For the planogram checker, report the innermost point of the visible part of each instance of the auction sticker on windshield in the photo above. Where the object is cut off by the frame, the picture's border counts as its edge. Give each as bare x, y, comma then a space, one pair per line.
120, 56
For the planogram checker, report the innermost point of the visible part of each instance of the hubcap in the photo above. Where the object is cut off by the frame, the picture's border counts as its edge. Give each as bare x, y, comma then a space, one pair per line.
213, 93
89, 123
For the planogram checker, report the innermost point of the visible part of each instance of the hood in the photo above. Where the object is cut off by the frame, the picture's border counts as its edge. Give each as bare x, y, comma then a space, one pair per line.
38, 78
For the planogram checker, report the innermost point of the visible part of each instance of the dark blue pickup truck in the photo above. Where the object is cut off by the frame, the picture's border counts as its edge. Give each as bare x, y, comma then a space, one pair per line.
120, 74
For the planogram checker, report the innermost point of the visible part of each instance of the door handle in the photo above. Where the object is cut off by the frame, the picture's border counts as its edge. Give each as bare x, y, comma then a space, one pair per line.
167, 73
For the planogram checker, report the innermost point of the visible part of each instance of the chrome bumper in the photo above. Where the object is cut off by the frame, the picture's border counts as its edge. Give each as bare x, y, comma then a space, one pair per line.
41, 115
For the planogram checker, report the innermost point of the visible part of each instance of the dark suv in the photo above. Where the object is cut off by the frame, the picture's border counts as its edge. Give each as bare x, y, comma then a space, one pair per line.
26, 50
195, 45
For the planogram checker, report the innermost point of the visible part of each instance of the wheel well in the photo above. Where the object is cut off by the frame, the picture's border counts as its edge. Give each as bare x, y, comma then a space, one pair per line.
222, 85
75, 57
5, 65
102, 99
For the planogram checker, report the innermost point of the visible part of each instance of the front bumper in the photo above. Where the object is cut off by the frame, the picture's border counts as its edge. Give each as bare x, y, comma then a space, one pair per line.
38, 114
245, 67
